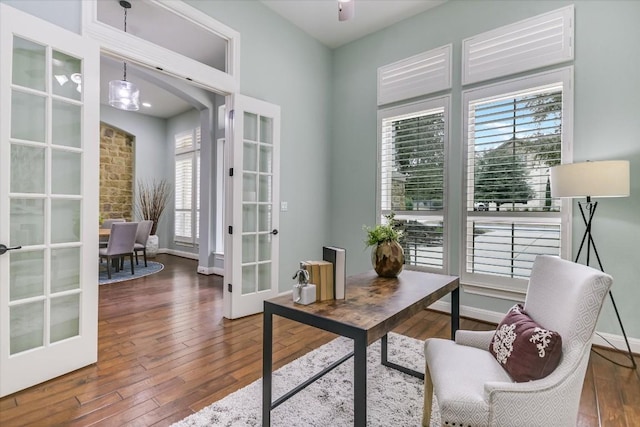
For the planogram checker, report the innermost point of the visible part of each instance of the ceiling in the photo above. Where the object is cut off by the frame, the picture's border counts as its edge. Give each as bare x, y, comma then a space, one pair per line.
319, 18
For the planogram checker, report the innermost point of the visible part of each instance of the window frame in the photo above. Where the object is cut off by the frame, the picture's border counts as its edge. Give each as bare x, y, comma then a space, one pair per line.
433, 103
500, 286
179, 154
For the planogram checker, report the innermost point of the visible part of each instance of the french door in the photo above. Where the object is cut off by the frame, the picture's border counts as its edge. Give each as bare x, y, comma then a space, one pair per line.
48, 200
251, 217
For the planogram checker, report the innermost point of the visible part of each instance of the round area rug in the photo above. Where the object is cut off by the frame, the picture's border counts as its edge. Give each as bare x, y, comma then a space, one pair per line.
125, 274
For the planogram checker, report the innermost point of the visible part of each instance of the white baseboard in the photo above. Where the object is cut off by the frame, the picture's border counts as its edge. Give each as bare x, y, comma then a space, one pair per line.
211, 270
201, 269
182, 254
616, 341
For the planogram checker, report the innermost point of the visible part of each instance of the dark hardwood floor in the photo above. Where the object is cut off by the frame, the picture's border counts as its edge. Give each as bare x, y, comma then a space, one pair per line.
165, 351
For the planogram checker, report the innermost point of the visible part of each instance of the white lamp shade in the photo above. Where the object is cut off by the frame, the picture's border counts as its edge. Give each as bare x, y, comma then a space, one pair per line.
609, 178
346, 9
124, 95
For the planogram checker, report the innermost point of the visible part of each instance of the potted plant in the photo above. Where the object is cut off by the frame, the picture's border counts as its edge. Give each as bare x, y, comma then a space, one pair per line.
387, 255
152, 198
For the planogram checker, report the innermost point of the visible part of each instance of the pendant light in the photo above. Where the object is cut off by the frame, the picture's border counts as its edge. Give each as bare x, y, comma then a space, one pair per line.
124, 95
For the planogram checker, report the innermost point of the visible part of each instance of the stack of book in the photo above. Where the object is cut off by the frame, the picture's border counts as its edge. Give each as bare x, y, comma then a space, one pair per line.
321, 275
329, 275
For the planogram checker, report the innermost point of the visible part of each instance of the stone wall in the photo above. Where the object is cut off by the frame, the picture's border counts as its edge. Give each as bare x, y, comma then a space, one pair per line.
116, 173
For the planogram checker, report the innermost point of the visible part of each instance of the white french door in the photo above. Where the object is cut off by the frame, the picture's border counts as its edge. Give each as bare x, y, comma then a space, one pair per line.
253, 198
48, 200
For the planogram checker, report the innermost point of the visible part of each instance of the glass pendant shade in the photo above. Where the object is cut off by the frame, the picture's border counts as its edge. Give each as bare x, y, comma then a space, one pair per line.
124, 95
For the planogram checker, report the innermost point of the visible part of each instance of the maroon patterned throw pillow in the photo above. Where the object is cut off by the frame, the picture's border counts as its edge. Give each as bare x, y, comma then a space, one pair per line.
525, 349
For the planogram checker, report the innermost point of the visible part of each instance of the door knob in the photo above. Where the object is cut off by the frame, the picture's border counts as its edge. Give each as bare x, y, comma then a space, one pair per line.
4, 249
274, 232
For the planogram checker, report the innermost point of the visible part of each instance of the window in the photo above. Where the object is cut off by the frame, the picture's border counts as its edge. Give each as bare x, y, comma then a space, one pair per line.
514, 132
413, 141
187, 187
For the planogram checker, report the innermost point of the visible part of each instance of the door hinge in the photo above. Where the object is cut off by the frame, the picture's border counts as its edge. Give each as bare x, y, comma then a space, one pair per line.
230, 229
229, 287
230, 171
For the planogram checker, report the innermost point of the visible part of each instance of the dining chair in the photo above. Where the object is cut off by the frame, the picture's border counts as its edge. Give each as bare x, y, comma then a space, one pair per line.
144, 229
106, 224
120, 245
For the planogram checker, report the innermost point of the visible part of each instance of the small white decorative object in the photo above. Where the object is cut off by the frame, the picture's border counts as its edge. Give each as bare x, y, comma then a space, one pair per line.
303, 292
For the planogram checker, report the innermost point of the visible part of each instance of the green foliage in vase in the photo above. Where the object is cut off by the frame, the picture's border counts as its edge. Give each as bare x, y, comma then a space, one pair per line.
388, 232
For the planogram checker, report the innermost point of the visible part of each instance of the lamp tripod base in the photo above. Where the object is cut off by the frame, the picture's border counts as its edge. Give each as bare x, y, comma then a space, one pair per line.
587, 238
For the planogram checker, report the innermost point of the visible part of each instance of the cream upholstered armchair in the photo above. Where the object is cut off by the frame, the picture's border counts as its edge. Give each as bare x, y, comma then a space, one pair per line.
473, 389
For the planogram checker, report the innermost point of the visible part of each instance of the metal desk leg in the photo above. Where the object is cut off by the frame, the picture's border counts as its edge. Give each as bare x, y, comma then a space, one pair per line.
360, 381
385, 361
267, 356
455, 312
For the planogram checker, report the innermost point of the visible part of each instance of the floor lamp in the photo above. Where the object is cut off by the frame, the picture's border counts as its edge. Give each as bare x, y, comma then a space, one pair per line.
608, 178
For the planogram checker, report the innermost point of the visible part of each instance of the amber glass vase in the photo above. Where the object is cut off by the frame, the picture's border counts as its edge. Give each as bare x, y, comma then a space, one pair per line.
387, 258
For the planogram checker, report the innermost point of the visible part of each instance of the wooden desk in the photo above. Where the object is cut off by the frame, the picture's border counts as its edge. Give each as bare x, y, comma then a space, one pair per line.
104, 232
373, 306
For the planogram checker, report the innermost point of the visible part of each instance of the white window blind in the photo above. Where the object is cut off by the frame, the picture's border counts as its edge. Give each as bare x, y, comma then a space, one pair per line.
513, 138
412, 177
536, 42
184, 142
419, 75
187, 186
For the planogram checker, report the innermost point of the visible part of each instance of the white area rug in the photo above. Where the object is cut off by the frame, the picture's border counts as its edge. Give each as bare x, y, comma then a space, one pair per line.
393, 398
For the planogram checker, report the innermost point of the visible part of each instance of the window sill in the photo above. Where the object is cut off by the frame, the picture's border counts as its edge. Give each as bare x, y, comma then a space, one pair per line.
493, 291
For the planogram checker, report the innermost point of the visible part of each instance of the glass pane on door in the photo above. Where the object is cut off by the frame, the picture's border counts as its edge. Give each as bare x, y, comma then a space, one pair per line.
65, 317
65, 269
26, 222
67, 124
27, 326
66, 169
66, 76
27, 169
249, 218
248, 279
26, 278
65, 214
264, 276
29, 64
28, 116
266, 130
249, 248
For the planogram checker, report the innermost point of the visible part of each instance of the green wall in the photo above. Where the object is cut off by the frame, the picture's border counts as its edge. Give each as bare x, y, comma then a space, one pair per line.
606, 126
